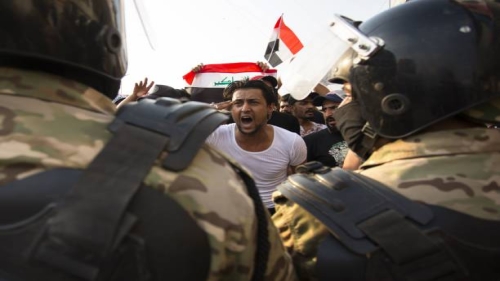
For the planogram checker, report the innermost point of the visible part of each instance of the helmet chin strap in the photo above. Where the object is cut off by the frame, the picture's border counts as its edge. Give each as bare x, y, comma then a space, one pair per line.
370, 137
356, 131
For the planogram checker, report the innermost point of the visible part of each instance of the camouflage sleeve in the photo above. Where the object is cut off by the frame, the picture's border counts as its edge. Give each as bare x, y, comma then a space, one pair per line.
301, 234
279, 267
216, 197
36, 137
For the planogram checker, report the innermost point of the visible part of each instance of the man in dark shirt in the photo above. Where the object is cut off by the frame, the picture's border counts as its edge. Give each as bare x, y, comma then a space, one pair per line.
285, 121
327, 146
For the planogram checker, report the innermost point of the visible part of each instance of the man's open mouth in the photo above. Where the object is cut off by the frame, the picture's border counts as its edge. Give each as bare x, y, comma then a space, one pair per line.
246, 119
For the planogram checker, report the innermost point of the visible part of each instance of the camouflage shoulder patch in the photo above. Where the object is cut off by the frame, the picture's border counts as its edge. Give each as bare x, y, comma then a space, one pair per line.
457, 169
53, 88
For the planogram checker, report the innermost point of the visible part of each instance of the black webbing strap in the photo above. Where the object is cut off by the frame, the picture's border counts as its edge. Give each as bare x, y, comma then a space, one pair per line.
341, 200
416, 256
85, 226
368, 141
392, 232
366, 216
183, 151
92, 218
187, 125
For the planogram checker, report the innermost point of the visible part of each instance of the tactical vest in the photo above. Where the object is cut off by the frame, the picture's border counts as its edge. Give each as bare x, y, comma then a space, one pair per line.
101, 223
378, 234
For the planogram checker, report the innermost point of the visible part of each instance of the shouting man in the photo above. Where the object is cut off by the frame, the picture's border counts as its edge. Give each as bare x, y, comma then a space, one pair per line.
265, 150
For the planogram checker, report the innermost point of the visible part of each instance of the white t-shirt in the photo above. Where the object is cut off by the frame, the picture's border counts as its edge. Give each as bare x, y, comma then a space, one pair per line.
268, 167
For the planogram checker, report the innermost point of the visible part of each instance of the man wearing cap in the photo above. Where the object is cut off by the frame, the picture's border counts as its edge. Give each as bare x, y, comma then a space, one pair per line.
268, 79
327, 146
304, 110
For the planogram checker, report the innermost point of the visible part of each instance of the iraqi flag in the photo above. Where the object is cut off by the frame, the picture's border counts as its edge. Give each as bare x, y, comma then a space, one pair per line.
207, 84
284, 44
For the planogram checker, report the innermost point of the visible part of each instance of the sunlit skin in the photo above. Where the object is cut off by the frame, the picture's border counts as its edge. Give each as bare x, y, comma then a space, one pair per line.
348, 93
347, 88
250, 112
328, 109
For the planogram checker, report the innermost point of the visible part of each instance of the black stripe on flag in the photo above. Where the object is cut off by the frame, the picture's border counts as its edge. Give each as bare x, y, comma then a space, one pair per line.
271, 56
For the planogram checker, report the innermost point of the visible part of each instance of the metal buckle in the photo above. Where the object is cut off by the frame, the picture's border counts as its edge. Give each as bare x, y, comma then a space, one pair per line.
368, 131
364, 46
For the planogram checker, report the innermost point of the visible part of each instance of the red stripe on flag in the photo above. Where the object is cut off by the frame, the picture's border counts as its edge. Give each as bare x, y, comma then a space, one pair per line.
278, 23
289, 38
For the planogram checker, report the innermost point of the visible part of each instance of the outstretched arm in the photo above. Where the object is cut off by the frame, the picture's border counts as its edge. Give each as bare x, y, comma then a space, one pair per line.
141, 89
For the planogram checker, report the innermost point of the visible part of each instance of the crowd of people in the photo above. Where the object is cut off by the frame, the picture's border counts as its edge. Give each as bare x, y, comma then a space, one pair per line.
259, 186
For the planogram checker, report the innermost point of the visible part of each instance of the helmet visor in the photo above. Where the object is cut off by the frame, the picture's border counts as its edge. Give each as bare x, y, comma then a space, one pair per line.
317, 59
364, 46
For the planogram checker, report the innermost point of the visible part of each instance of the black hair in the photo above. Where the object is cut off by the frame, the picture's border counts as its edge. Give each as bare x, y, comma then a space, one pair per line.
285, 97
267, 91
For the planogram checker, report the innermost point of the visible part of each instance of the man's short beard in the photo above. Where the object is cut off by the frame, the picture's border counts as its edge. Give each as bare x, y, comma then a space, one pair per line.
332, 129
257, 129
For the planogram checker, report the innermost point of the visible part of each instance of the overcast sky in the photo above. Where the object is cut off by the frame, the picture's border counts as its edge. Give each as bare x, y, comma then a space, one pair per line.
189, 32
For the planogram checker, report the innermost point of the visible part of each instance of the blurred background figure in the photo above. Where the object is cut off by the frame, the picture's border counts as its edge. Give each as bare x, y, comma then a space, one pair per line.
284, 105
305, 111
327, 146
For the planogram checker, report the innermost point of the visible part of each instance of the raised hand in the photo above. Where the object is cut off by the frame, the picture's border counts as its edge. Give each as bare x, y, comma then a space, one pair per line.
142, 88
263, 66
197, 68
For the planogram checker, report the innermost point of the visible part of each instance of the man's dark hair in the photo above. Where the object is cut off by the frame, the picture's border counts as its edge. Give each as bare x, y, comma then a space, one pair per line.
285, 97
250, 84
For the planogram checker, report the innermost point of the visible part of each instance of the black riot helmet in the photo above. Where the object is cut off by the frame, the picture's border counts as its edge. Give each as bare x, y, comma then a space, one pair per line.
80, 40
434, 59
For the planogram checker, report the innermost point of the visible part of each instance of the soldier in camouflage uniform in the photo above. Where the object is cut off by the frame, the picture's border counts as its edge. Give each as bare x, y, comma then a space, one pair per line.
426, 97
57, 78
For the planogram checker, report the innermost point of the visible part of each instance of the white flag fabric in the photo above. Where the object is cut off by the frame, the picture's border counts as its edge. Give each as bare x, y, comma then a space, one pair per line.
208, 83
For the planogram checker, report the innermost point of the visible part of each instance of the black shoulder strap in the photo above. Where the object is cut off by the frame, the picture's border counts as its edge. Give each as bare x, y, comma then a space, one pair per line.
366, 216
92, 218
187, 125
331, 194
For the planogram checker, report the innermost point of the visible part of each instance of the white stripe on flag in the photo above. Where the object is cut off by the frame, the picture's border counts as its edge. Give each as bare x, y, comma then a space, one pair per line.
220, 79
